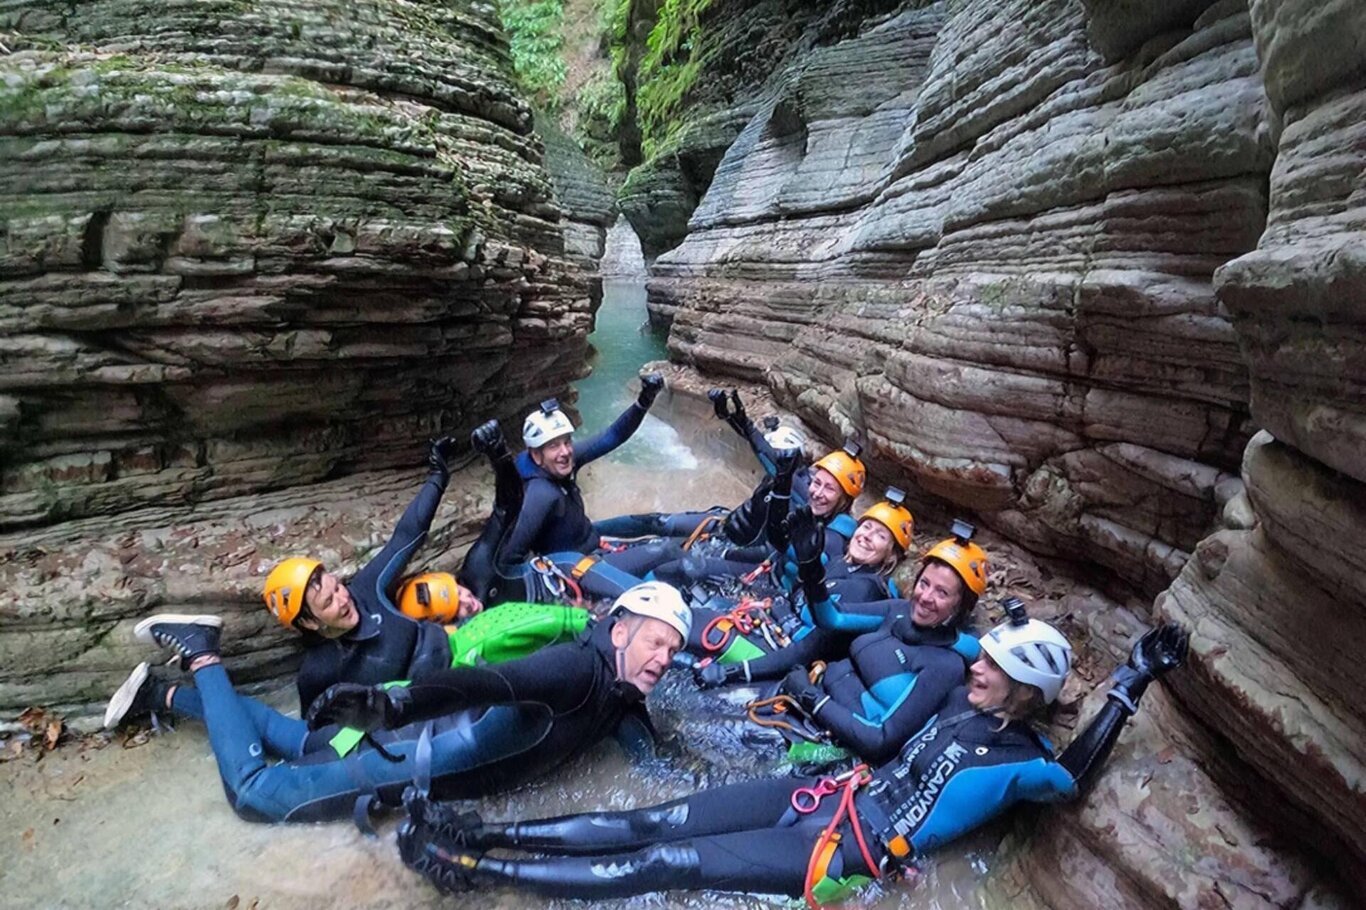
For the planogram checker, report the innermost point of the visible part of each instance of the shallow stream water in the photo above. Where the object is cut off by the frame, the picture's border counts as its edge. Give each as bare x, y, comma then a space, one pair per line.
148, 826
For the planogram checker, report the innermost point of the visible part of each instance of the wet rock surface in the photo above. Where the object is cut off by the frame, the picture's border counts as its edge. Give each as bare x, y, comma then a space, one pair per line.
1058, 262
1008, 294
245, 246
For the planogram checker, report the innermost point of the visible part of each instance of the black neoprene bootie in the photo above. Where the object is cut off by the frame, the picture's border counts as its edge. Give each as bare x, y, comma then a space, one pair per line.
447, 824
451, 871
188, 636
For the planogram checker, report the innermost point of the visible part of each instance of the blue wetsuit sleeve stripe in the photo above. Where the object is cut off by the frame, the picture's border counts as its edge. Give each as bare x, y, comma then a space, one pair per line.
621, 430
973, 796
859, 618
878, 742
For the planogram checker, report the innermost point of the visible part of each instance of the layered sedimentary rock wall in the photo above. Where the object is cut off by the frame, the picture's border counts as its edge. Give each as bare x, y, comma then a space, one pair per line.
1007, 290
244, 247
249, 245
582, 192
1279, 598
1057, 262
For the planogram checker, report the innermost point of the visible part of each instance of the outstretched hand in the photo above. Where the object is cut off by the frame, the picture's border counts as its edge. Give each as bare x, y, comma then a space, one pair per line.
350, 705
804, 534
650, 386
786, 461
439, 452
720, 405
1160, 650
737, 408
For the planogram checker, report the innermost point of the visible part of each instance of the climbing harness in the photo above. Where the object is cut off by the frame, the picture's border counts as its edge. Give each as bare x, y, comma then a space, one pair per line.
703, 531
751, 577
745, 617
807, 800
557, 582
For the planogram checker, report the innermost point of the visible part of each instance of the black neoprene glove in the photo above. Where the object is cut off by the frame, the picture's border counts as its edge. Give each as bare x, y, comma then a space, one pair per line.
1159, 651
488, 439
363, 707
719, 403
714, 674
737, 410
650, 386
806, 537
798, 684
437, 454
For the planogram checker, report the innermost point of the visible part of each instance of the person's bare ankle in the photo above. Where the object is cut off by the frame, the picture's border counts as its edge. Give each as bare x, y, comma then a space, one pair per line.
204, 660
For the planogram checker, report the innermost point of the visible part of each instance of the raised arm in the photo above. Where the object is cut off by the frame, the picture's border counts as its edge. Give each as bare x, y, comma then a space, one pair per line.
625, 426
1158, 652
538, 502
410, 532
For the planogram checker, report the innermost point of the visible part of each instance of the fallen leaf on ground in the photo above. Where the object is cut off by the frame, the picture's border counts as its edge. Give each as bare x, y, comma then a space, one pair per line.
232, 903
52, 734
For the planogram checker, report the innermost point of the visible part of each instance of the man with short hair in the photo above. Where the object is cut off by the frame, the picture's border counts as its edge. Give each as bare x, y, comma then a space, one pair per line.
485, 728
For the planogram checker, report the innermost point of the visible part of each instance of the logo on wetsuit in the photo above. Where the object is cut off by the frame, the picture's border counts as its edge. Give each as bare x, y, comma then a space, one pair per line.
931, 785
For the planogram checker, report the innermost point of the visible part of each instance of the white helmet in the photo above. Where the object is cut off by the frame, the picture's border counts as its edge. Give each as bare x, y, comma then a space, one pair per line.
785, 438
544, 424
660, 601
1033, 653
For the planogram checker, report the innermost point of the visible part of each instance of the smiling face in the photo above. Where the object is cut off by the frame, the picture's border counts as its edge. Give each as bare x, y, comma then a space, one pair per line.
823, 492
988, 686
645, 646
334, 612
870, 545
469, 604
937, 595
556, 457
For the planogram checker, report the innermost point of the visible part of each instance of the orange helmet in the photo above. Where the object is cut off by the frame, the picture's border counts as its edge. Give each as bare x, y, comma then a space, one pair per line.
844, 465
431, 595
963, 556
895, 517
285, 587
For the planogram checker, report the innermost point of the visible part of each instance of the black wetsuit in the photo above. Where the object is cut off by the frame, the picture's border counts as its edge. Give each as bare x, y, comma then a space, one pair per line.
489, 728
385, 645
960, 770
890, 685
553, 519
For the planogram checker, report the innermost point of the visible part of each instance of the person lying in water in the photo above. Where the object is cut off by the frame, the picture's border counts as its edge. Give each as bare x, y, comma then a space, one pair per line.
738, 528
552, 526
485, 728
834, 482
351, 628
765, 642
974, 759
926, 630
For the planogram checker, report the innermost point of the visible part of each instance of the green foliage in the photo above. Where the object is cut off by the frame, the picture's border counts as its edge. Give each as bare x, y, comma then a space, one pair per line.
668, 70
602, 105
535, 41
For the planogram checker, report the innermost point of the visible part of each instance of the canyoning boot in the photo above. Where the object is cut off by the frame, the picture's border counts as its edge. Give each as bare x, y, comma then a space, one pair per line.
141, 693
450, 870
188, 636
446, 823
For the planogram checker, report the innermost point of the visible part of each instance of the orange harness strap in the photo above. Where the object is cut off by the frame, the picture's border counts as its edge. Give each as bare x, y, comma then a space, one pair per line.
829, 839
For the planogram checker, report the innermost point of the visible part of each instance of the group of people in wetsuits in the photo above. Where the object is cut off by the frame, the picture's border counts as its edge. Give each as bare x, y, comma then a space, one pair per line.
427, 690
